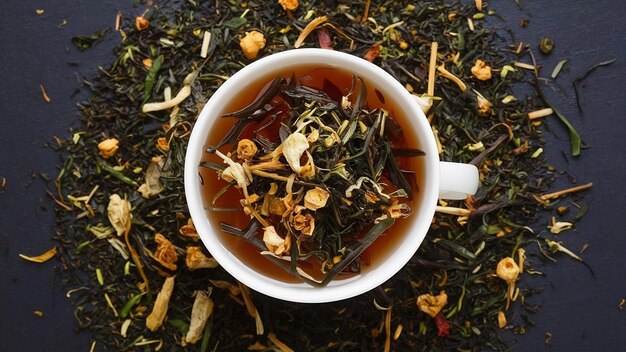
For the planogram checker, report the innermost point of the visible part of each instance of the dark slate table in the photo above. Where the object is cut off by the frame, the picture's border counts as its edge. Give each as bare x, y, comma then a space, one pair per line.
580, 311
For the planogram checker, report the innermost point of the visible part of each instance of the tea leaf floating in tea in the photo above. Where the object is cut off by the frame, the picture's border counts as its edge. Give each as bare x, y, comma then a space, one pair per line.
428, 47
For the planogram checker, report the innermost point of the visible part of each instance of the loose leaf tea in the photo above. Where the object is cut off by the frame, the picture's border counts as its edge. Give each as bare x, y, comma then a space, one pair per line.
140, 279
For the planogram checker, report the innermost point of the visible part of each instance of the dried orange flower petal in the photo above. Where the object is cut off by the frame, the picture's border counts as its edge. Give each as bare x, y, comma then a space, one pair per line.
197, 260
252, 43
141, 23
288, 5
165, 253
481, 71
108, 147
432, 305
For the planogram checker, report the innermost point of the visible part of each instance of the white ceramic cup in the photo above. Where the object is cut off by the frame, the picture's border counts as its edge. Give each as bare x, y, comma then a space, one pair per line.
440, 179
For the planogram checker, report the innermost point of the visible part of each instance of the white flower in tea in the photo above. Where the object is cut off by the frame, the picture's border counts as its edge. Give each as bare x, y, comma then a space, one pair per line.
195, 259
274, 242
118, 212
432, 305
316, 198
294, 147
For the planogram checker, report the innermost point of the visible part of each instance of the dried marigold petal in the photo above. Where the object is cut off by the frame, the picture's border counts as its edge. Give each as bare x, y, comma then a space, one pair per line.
165, 252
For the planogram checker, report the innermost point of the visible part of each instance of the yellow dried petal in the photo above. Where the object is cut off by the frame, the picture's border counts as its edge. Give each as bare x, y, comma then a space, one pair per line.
246, 149
288, 5
195, 259
156, 317
252, 43
481, 71
108, 147
507, 270
560, 226
165, 252
432, 305
501, 320
42, 257
271, 239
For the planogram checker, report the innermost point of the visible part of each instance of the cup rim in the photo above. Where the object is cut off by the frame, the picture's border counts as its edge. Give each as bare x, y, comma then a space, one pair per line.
340, 289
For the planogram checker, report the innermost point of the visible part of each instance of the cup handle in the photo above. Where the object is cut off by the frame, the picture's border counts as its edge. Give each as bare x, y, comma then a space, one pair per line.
457, 180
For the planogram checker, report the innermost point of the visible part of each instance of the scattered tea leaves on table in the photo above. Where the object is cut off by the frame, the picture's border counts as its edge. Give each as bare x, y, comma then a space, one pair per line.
116, 277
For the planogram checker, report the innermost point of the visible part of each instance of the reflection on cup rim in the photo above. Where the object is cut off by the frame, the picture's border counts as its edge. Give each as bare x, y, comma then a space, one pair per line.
339, 289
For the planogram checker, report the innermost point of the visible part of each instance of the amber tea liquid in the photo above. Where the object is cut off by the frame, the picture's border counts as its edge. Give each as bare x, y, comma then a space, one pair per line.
315, 77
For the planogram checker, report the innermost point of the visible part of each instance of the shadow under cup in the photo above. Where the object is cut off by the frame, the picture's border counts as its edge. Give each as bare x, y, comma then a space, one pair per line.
388, 254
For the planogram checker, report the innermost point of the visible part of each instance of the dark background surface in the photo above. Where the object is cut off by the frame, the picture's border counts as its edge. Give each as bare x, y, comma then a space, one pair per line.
580, 311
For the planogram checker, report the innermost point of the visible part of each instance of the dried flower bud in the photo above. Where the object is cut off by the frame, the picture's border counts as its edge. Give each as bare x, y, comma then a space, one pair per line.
108, 147
195, 259
316, 198
165, 252
246, 149
546, 45
305, 223
507, 270
252, 43
156, 317
288, 5
118, 212
432, 305
141, 23
293, 147
484, 106
163, 144
481, 71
